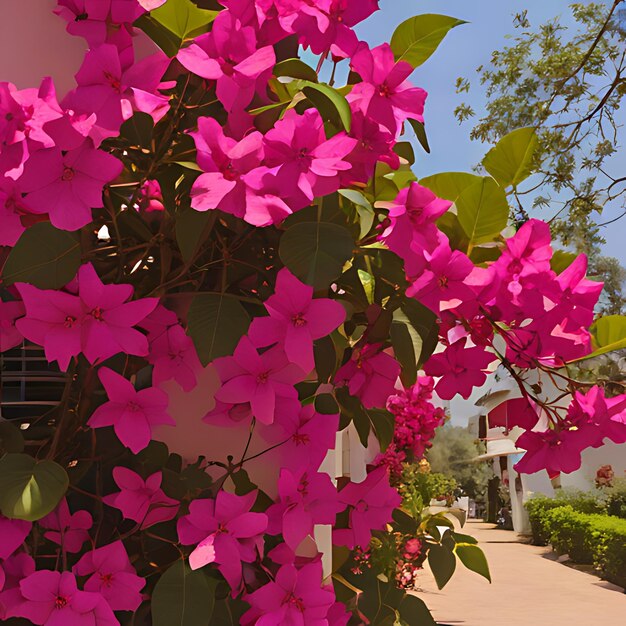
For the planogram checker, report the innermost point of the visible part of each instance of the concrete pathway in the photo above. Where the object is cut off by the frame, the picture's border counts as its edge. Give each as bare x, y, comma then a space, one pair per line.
530, 588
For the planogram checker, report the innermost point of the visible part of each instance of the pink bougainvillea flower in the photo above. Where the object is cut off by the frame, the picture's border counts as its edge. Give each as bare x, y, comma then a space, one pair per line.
374, 143
150, 197
306, 498
53, 599
66, 529
10, 336
14, 569
226, 532
370, 374
442, 282
338, 615
40, 107
527, 252
385, 95
575, 296
102, 21
53, 320
112, 576
98, 322
133, 414
112, 90
12, 210
229, 55
334, 34
107, 325
460, 368
295, 596
606, 415
304, 161
553, 450
225, 162
67, 185
307, 437
414, 210
13, 532
142, 501
174, 357
258, 379
371, 503
296, 320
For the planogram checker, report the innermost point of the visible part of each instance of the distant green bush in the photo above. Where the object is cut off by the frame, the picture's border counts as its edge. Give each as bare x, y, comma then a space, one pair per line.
591, 538
616, 498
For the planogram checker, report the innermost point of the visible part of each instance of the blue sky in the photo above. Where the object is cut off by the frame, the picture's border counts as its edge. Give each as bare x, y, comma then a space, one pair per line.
464, 49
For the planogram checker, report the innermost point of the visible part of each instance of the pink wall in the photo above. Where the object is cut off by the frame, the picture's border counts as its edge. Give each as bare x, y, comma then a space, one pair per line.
33, 44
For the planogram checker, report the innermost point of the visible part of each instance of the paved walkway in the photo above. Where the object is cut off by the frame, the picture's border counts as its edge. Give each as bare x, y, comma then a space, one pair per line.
530, 588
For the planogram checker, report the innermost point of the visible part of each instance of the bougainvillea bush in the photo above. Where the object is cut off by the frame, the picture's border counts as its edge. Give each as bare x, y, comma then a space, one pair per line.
235, 218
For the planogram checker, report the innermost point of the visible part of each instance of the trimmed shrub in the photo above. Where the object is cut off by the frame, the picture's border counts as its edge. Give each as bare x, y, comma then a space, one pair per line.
587, 538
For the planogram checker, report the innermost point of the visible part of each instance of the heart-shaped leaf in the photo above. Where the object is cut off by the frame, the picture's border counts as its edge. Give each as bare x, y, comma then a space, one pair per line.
30, 489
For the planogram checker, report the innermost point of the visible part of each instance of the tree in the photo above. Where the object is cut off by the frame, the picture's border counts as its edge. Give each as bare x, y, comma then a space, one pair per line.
452, 453
567, 81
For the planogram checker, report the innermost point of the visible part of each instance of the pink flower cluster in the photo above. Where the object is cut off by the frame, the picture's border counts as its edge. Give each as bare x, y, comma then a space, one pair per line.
416, 420
49, 597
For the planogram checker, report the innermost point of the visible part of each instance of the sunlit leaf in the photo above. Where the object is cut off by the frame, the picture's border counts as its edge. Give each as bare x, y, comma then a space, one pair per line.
510, 161
415, 39
30, 489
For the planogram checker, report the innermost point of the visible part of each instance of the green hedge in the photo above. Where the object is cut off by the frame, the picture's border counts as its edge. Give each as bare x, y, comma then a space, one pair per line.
591, 538
580, 501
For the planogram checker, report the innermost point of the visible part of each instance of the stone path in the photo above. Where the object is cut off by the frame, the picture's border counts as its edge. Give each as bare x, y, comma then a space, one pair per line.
530, 588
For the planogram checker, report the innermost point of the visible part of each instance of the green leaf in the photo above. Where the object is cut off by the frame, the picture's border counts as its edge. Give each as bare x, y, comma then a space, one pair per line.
442, 563
415, 612
29, 489
174, 22
461, 538
415, 39
420, 132
326, 404
325, 358
404, 351
364, 208
561, 260
332, 105
449, 225
608, 333
383, 423
510, 161
449, 185
216, 323
43, 256
483, 211
353, 411
183, 597
404, 149
473, 558
190, 227
11, 439
138, 130
316, 251
295, 68
424, 321
242, 482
